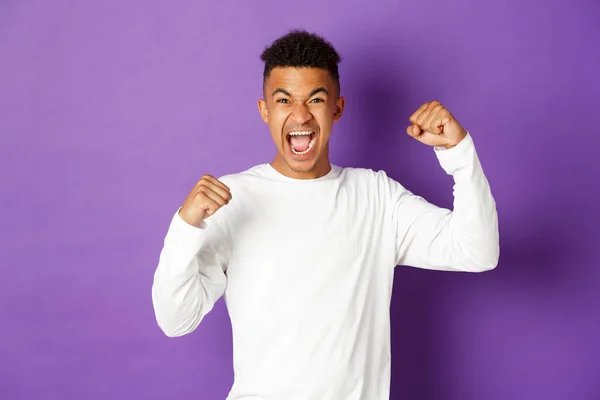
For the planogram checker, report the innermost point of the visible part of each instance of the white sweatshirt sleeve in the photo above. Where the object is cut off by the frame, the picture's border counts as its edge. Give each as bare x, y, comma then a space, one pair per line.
465, 239
190, 276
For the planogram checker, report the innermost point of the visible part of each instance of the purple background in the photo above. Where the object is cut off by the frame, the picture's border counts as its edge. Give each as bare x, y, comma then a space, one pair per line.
110, 111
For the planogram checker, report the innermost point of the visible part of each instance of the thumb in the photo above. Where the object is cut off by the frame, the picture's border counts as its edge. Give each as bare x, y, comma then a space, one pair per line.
413, 131
423, 136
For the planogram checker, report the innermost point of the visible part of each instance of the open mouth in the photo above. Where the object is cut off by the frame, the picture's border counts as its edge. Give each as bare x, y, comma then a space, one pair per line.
301, 142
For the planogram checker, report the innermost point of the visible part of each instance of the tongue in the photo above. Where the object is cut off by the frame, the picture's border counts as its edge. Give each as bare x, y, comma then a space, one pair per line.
300, 143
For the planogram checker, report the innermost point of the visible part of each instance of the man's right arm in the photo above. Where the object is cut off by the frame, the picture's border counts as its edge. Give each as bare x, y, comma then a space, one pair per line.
190, 276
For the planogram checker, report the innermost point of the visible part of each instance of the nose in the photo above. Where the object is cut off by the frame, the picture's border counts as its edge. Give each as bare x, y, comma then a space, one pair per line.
300, 113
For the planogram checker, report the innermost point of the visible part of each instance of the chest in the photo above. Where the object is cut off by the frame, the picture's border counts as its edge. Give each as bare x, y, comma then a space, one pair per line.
299, 246
297, 232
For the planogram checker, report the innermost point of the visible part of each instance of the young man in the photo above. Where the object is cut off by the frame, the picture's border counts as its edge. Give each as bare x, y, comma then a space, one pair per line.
304, 251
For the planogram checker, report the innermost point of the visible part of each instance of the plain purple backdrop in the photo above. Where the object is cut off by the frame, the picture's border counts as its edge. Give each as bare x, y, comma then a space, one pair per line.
110, 111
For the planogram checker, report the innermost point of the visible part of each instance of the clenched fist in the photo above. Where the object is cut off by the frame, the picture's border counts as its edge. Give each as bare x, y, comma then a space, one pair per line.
433, 124
207, 196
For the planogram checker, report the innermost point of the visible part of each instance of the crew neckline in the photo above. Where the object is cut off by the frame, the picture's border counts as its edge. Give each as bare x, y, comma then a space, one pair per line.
271, 172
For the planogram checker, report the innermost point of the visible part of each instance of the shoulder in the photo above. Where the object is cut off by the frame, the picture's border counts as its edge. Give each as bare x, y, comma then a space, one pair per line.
378, 182
243, 176
366, 175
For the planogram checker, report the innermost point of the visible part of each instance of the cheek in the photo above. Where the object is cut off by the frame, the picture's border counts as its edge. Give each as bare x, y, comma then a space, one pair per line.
277, 118
276, 122
324, 117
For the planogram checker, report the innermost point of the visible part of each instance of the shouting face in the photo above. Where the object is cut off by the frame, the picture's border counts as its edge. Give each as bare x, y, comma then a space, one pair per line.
300, 107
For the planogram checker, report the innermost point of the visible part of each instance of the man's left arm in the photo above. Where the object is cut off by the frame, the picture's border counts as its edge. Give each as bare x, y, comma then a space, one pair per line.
466, 238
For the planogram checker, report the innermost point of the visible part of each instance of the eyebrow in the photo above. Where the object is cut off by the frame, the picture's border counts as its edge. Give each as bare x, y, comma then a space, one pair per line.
285, 92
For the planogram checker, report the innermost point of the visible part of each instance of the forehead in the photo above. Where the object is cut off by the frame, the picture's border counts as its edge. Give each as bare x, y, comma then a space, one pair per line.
298, 79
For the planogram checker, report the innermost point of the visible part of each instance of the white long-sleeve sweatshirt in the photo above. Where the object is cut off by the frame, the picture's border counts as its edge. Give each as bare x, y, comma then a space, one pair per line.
306, 270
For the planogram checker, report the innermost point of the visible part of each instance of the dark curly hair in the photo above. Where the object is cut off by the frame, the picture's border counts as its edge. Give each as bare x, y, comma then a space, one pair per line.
300, 48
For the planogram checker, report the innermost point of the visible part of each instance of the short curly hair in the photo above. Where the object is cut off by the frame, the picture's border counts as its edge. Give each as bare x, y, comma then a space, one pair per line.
299, 48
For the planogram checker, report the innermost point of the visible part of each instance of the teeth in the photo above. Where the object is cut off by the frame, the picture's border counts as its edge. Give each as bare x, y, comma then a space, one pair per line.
310, 146
300, 133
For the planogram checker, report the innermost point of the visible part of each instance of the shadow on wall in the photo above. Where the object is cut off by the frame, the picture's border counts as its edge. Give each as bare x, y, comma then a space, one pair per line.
380, 100
379, 105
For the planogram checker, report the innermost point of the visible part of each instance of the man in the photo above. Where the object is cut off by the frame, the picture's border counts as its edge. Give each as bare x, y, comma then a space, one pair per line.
304, 251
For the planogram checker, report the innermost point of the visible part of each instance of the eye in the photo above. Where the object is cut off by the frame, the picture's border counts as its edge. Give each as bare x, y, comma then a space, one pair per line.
284, 101
317, 100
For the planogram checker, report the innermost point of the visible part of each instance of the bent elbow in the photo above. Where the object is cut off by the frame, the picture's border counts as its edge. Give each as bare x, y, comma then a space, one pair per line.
172, 332
493, 261
486, 260
175, 318
169, 331
175, 328
486, 266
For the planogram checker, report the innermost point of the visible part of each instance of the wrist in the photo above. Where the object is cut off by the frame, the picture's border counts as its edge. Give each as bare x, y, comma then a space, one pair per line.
455, 143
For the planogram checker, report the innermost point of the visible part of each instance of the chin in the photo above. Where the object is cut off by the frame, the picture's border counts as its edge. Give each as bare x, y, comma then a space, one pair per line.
301, 166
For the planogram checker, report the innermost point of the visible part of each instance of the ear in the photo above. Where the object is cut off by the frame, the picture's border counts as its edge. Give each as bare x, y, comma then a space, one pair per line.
340, 103
262, 109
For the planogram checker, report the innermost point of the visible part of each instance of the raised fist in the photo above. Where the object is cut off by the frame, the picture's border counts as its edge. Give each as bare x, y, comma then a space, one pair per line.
205, 198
